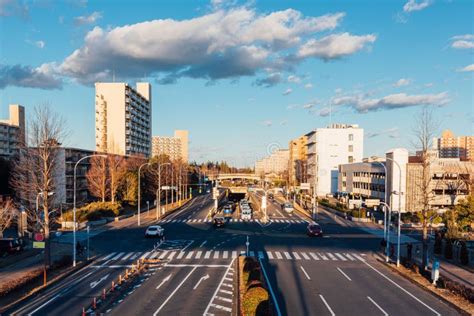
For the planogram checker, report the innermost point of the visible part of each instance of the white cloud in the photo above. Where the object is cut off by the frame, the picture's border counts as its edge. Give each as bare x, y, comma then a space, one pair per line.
429, 84
402, 82
40, 44
269, 81
393, 101
87, 19
308, 86
284, 122
14, 8
334, 46
288, 91
267, 123
468, 68
308, 105
222, 44
413, 5
391, 132
464, 41
291, 106
325, 111
42, 77
293, 79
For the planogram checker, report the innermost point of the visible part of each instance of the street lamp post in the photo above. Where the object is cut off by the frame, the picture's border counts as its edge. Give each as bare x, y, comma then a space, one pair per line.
139, 196
158, 191
74, 207
385, 199
386, 247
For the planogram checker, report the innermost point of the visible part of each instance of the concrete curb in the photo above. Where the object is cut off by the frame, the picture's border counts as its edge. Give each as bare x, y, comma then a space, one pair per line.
423, 287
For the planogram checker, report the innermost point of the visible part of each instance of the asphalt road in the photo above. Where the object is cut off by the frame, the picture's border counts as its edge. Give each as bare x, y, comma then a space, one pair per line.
333, 275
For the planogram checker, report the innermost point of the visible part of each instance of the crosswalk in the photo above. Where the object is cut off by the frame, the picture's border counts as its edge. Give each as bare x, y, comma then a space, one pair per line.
234, 220
169, 255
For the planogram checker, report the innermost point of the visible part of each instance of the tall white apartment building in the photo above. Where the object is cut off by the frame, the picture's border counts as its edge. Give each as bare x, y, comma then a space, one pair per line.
328, 148
175, 147
276, 163
123, 118
12, 131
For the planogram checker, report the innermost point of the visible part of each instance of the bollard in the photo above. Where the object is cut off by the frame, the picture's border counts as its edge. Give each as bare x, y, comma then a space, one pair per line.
112, 288
120, 280
83, 311
94, 303
103, 294
126, 274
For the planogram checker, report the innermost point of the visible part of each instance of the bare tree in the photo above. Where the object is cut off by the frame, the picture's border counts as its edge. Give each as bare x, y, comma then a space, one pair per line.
7, 215
116, 171
97, 178
424, 131
34, 178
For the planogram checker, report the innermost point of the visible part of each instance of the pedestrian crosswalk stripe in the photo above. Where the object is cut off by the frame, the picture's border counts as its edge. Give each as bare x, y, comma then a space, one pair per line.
341, 257
242, 253
172, 254
225, 291
163, 255
154, 255
145, 255
180, 255
135, 256
358, 257
323, 256
109, 256
173, 221
297, 257
332, 256
216, 255
234, 254
225, 255
287, 255
260, 255
207, 255
252, 254
118, 256
349, 256
312, 254
127, 256
278, 254
198, 254
269, 254
190, 254
305, 256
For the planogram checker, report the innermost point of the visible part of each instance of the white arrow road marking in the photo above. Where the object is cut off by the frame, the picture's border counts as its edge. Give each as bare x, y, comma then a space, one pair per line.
174, 292
94, 284
200, 280
164, 281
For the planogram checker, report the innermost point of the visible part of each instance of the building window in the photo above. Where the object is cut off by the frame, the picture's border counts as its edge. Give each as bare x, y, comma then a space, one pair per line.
350, 159
351, 136
351, 148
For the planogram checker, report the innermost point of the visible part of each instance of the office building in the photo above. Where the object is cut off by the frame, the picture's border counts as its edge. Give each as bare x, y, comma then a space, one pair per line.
123, 118
450, 146
276, 163
297, 160
175, 147
327, 148
12, 131
364, 179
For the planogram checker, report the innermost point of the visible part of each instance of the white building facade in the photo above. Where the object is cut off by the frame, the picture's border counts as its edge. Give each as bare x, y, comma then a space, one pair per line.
123, 118
276, 163
12, 131
175, 147
327, 149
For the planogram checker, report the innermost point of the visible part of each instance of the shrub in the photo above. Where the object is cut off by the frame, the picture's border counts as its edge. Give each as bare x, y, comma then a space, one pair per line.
355, 213
94, 211
250, 263
254, 275
255, 299
253, 284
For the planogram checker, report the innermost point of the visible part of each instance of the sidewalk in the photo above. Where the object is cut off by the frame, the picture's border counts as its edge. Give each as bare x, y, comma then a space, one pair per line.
462, 275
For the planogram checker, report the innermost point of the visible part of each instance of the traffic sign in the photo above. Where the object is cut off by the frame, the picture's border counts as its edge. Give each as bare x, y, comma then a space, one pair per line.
39, 237
304, 186
38, 244
165, 187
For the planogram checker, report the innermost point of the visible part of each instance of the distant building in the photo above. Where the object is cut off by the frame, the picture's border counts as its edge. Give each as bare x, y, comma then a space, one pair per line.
365, 179
123, 118
327, 148
276, 163
175, 147
450, 146
297, 160
400, 156
12, 131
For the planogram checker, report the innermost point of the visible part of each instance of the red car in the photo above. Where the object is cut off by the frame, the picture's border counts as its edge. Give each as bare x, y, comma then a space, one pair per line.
314, 230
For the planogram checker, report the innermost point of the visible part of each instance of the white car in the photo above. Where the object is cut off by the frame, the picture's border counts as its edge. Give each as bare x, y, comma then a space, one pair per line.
288, 207
154, 231
246, 214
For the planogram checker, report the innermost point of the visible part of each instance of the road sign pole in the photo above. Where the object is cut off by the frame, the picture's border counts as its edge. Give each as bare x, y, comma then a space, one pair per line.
247, 244
88, 230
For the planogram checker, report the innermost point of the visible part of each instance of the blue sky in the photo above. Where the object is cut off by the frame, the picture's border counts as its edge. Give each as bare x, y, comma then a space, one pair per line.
244, 77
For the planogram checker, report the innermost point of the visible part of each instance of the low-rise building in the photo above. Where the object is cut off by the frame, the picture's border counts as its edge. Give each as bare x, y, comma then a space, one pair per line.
12, 131
365, 179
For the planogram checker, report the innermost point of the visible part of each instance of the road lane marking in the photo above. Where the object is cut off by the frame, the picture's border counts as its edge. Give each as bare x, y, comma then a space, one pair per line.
225, 255
341, 257
342, 272
118, 256
135, 255
182, 265
190, 254
278, 254
275, 302
226, 292
349, 256
327, 305
163, 255
399, 286
377, 305
164, 281
297, 257
108, 256
252, 254
269, 254
127, 255
206, 312
216, 255
305, 256
207, 255
312, 254
225, 299
200, 280
332, 256
198, 255
171, 256
203, 243
323, 256
175, 290
260, 254
145, 255
287, 255
154, 255
227, 309
234, 254
180, 255
305, 273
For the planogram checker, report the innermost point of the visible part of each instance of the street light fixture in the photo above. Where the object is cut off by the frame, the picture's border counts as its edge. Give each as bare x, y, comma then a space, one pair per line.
74, 207
139, 196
